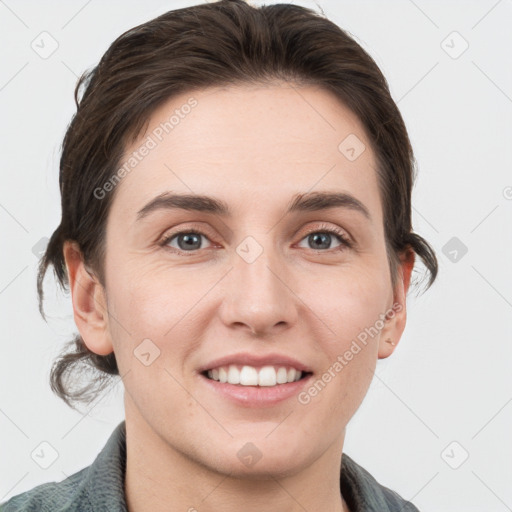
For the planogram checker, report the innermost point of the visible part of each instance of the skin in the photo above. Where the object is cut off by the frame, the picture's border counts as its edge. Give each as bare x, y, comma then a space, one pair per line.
254, 147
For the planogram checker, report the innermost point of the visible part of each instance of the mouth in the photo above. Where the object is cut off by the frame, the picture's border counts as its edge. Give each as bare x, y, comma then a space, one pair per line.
251, 380
255, 376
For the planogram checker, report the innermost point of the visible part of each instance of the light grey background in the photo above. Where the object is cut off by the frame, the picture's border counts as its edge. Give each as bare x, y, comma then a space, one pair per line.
445, 393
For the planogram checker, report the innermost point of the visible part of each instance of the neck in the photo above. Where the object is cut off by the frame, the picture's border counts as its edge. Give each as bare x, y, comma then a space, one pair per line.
161, 478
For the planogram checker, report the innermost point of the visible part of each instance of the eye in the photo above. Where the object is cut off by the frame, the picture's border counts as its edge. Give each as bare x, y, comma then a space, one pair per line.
321, 238
187, 241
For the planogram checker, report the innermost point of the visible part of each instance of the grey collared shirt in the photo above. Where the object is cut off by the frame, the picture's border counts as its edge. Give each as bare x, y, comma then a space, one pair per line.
100, 487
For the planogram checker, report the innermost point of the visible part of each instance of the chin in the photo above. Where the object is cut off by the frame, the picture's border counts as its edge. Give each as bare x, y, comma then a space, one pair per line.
266, 468
258, 459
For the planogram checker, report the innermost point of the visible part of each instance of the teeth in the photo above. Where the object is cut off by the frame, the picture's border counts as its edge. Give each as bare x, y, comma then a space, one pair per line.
233, 375
282, 376
249, 376
267, 376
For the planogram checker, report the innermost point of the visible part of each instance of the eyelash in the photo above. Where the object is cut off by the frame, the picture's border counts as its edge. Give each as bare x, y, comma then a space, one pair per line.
345, 243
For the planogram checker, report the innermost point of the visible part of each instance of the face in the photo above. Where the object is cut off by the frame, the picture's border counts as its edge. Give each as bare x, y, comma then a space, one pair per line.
277, 279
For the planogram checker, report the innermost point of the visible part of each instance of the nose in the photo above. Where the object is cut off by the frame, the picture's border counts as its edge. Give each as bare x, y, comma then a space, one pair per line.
258, 297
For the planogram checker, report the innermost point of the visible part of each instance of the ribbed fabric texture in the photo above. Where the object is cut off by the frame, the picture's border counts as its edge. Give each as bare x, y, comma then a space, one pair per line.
100, 487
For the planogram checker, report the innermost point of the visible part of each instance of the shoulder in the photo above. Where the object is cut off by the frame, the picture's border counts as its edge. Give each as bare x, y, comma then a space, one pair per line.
52, 496
99, 486
362, 491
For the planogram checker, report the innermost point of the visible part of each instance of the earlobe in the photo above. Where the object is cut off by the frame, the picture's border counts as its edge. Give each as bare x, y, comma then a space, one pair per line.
396, 315
89, 302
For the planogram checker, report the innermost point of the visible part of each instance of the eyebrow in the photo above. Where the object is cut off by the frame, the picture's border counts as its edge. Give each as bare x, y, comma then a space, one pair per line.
308, 202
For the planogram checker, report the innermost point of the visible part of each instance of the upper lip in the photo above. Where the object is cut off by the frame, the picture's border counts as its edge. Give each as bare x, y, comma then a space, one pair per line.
244, 358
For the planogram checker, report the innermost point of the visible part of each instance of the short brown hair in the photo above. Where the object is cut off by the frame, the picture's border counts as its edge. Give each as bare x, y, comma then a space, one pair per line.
224, 43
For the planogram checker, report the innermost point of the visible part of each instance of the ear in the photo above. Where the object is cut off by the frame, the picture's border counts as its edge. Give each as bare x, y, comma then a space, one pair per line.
89, 302
396, 314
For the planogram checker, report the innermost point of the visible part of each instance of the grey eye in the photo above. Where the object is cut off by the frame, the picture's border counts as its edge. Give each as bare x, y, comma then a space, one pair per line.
321, 240
186, 240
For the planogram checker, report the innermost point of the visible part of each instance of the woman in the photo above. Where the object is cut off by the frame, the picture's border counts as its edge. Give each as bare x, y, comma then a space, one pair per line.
236, 236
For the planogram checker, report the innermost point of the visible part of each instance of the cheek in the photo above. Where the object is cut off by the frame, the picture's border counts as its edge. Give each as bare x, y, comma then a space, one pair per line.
151, 302
349, 302
353, 306
149, 319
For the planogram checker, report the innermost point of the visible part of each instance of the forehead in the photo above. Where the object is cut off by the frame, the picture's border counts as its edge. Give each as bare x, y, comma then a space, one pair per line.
252, 144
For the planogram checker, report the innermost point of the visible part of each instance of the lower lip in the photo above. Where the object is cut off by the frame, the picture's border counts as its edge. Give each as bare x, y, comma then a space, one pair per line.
256, 396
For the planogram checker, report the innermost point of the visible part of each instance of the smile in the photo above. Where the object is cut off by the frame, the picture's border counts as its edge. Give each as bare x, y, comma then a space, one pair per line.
252, 376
